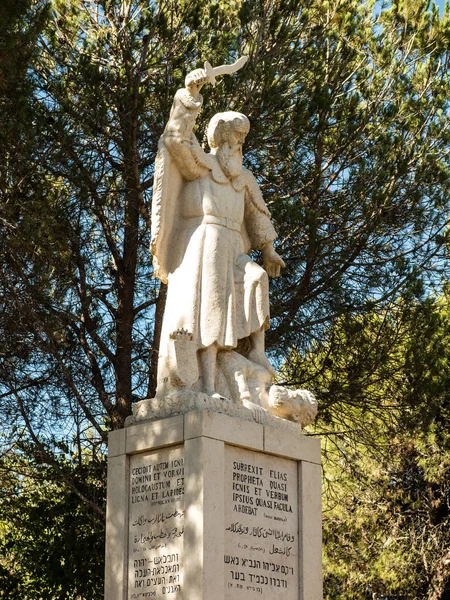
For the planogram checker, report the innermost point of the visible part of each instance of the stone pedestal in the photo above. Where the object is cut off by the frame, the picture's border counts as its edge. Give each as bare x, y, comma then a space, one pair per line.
207, 506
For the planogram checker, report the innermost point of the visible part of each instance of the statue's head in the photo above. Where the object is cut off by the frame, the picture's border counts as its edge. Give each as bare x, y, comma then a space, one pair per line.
226, 134
225, 127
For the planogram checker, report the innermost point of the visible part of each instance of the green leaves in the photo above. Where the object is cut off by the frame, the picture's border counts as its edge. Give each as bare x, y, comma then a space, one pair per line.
384, 381
52, 545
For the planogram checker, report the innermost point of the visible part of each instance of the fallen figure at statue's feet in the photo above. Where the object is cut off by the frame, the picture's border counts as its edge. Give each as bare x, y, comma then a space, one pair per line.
237, 379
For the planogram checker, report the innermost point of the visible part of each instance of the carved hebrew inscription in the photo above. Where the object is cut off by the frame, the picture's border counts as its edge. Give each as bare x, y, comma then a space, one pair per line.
156, 525
261, 526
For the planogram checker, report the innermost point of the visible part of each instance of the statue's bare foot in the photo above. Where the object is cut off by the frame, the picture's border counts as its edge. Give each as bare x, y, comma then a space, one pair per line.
259, 357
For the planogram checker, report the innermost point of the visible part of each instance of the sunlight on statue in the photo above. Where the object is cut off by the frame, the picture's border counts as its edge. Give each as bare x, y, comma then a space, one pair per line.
208, 214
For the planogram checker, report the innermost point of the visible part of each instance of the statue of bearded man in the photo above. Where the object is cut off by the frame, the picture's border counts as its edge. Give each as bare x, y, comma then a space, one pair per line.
208, 214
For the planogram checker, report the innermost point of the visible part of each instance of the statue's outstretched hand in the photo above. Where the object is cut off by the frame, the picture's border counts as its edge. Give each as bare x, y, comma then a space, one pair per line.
272, 260
195, 80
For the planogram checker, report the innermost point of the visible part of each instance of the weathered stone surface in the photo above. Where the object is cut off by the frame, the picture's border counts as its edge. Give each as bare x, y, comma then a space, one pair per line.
261, 526
297, 405
156, 524
221, 514
207, 215
182, 401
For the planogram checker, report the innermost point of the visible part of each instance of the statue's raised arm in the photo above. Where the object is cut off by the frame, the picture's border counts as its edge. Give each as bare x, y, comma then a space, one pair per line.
208, 213
180, 157
178, 136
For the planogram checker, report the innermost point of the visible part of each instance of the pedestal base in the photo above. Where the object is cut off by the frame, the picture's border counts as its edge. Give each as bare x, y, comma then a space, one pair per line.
205, 506
182, 401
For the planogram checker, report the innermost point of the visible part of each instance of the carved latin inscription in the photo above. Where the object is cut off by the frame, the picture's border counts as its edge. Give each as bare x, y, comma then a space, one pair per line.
261, 526
156, 525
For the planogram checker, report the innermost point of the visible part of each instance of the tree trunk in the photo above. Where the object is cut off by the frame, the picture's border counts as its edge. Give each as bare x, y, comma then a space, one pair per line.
153, 372
440, 578
127, 271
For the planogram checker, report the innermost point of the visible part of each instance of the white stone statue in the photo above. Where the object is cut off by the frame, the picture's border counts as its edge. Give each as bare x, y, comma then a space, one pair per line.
207, 215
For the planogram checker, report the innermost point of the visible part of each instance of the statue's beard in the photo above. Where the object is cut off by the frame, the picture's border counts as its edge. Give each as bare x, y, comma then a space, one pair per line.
230, 159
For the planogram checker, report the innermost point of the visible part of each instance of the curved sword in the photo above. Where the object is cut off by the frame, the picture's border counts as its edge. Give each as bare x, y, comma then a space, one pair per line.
213, 72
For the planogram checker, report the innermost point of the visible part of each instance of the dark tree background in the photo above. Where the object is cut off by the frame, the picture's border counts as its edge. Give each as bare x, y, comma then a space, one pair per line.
348, 102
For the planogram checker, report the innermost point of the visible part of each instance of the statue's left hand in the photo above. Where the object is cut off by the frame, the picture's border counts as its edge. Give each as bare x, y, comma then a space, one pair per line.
272, 260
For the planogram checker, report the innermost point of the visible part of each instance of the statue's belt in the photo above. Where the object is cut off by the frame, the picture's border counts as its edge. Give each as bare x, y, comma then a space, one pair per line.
211, 220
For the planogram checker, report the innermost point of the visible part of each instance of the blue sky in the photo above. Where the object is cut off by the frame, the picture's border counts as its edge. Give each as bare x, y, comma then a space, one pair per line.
439, 3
